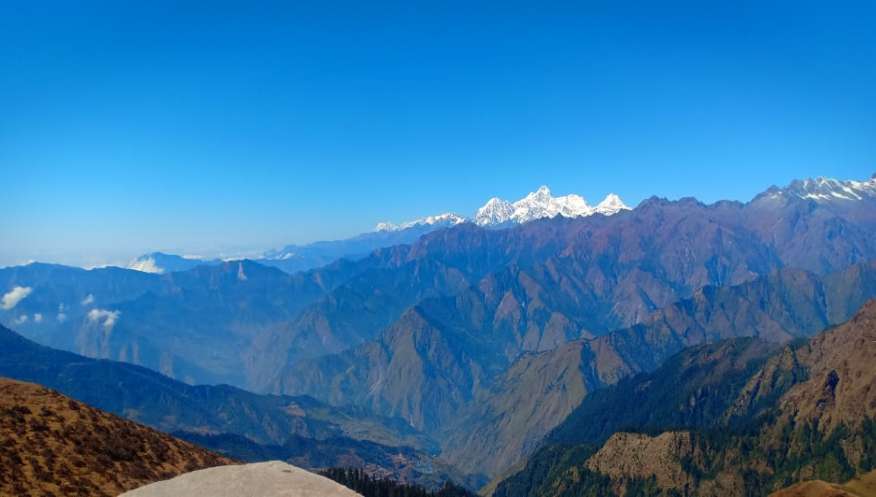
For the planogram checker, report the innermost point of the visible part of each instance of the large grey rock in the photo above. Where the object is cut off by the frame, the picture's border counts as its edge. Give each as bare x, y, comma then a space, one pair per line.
266, 479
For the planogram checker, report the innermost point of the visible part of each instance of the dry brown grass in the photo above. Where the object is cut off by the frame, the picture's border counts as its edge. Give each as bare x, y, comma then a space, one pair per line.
865, 486
51, 445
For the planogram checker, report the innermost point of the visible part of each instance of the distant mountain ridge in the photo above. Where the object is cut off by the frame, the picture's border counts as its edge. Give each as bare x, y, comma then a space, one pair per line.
496, 212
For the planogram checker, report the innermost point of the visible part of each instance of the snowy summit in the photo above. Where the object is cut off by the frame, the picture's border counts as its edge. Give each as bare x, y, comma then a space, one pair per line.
539, 204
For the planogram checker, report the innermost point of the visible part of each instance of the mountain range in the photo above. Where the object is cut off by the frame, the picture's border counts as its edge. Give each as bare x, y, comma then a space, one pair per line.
495, 213
464, 348
491, 412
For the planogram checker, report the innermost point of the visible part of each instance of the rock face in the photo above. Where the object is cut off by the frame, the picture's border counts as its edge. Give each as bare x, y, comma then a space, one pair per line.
268, 479
641, 456
51, 445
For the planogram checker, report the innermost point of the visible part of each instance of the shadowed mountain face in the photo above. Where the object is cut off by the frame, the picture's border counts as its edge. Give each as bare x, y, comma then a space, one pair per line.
55, 446
457, 380
235, 422
710, 423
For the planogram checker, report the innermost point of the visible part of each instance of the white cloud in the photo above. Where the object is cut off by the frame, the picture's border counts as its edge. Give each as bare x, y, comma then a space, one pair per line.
37, 318
146, 265
62, 316
88, 300
14, 296
106, 318
21, 319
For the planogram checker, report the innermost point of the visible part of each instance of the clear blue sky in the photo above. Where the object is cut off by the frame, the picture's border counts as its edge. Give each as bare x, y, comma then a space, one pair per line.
219, 126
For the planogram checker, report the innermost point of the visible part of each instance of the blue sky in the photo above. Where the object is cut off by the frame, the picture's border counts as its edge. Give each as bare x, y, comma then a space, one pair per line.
249, 125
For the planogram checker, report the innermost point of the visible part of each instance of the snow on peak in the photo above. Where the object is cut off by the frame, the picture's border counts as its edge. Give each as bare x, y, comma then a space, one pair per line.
611, 204
541, 204
823, 189
536, 205
446, 219
495, 211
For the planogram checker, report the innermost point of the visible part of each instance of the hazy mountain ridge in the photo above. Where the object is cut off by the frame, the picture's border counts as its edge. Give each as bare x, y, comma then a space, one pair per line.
162, 321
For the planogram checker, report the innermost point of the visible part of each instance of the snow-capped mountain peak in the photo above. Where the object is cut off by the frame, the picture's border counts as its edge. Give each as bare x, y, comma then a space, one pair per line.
538, 204
831, 189
446, 219
541, 204
495, 211
823, 190
611, 204
543, 194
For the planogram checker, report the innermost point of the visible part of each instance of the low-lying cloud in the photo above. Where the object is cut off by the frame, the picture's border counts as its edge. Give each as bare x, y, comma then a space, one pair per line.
14, 296
147, 266
104, 317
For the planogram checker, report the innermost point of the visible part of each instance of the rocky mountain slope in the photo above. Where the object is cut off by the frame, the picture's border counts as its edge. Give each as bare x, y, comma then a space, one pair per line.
807, 412
53, 445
